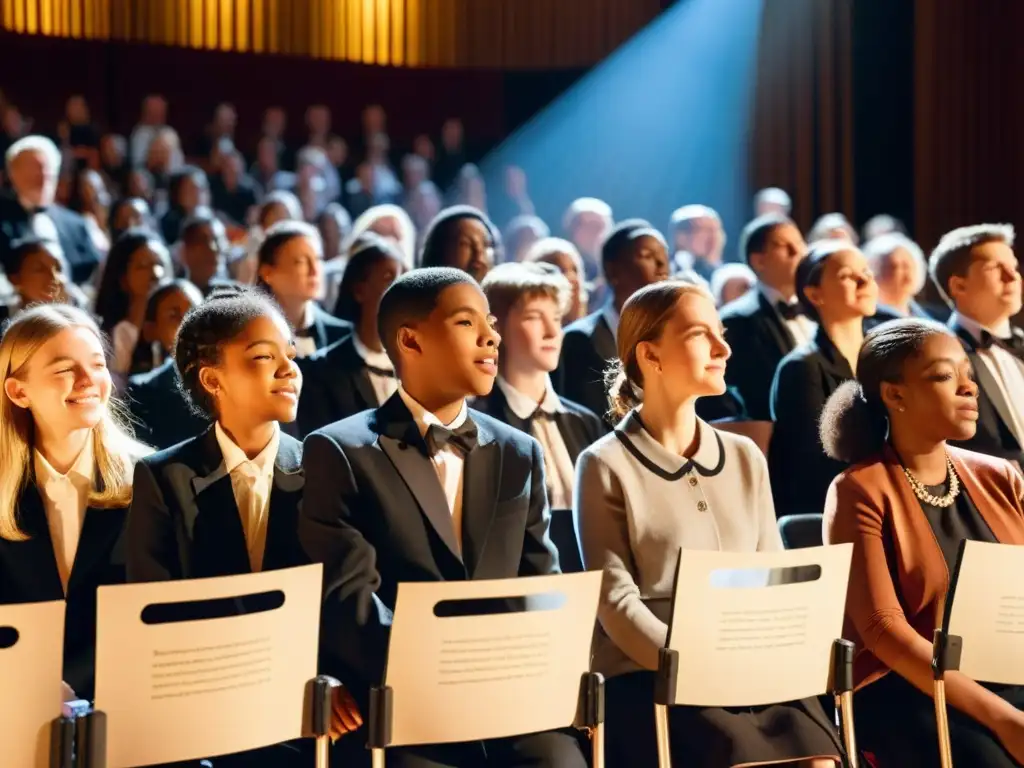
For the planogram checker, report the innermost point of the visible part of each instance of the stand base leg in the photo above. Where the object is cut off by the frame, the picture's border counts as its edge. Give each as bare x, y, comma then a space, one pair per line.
597, 746
942, 721
849, 733
323, 751
661, 730
377, 758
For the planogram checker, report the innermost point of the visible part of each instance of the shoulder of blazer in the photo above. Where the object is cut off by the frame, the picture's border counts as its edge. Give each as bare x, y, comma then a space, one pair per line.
161, 377
742, 308
329, 320
351, 432
983, 465
502, 433
592, 420
188, 453
585, 326
338, 356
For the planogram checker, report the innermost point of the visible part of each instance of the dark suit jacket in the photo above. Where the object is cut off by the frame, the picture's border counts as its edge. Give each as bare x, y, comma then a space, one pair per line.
162, 416
994, 435
884, 313
759, 339
184, 524
74, 237
799, 469
335, 385
587, 348
375, 515
327, 329
578, 426
28, 574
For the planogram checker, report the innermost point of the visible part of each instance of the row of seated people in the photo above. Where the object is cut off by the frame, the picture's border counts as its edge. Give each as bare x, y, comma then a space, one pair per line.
423, 487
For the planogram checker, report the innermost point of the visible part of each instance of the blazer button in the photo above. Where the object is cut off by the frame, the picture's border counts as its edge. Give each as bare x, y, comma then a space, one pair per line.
702, 506
693, 481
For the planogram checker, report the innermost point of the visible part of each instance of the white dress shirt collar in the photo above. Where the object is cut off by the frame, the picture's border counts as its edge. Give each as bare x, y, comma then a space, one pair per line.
80, 474
611, 316
370, 357
235, 456
524, 407
973, 327
425, 419
773, 296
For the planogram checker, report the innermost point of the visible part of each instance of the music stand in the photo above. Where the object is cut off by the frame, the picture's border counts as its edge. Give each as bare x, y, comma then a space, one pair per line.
474, 660
193, 669
33, 734
758, 628
981, 625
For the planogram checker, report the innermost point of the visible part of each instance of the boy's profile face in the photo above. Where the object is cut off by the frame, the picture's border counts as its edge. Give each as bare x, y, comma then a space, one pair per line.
41, 277
453, 353
532, 335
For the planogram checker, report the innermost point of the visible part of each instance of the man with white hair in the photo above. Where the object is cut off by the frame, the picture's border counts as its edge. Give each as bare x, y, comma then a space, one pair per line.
697, 240
33, 166
772, 200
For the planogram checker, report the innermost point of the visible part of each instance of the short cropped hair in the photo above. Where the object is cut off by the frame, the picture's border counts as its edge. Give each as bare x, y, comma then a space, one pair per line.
284, 232
621, 238
410, 299
878, 250
682, 218
585, 205
34, 143
774, 196
952, 256
545, 248
201, 217
25, 247
755, 234
507, 284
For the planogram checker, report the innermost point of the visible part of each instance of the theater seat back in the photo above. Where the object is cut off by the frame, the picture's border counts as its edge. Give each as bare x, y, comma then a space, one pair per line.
801, 531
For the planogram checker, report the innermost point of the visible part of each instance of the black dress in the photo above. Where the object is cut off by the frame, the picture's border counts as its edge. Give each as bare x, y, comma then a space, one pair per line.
913, 741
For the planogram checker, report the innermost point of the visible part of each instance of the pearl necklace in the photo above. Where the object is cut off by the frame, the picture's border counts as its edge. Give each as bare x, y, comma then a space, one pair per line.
936, 501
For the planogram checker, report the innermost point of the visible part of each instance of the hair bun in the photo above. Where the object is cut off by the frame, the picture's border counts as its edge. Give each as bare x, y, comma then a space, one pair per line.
851, 428
622, 396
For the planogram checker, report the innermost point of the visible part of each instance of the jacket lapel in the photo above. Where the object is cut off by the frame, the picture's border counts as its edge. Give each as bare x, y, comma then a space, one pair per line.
481, 480
36, 553
986, 381
604, 340
214, 525
282, 544
99, 546
402, 443
319, 330
776, 326
573, 434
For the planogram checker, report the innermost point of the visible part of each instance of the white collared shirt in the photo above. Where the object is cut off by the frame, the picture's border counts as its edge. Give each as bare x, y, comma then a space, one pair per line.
1006, 369
559, 472
802, 327
611, 316
448, 461
251, 484
65, 499
383, 386
306, 345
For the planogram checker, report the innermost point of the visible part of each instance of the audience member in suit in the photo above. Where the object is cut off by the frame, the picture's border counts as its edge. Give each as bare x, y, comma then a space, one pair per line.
838, 291
767, 323
355, 373
900, 271
38, 274
462, 237
136, 265
226, 501
697, 240
634, 255
907, 502
187, 191
392, 222
423, 489
977, 273
33, 166
527, 301
563, 255
66, 481
291, 269
666, 480
203, 251
587, 223
730, 282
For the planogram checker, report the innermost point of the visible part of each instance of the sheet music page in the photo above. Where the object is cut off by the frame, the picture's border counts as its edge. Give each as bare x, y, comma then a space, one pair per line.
195, 689
747, 639
988, 611
30, 681
467, 677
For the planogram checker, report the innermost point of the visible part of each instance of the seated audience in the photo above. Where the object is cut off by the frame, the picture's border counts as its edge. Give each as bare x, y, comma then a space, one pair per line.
563, 255
697, 240
355, 373
880, 225
635, 514
203, 251
772, 200
462, 237
730, 282
907, 502
900, 271
521, 233
413, 490
127, 213
527, 301
37, 272
392, 222
291, 269
833, 226
838, 291
977, 273
65, 483
188, 190
587, 222
634, 255
767, 323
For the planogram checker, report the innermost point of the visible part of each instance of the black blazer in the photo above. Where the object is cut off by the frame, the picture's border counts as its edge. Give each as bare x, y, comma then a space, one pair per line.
799, 469
28, 574
994, 435
884, 313
374, 513
162, 416
327, 329
587, 348
335, 385
72, 232
759, 339
578, 426
184, 524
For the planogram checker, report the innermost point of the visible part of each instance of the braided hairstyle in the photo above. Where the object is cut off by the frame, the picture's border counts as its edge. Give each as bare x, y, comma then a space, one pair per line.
204, 331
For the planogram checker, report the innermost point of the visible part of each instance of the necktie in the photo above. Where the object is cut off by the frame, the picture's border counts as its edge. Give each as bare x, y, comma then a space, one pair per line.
463, 437
254, 521
1014, 344
790, 311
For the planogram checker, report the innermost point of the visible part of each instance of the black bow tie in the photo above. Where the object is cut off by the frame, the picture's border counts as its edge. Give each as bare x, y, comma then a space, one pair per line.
464, 437
379, 371
1014, 345
306, 333
790, 311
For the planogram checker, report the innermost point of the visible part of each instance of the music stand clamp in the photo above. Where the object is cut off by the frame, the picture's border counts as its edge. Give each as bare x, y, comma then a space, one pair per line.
379, 723
62, 742
590, 714
321, 692
946, 650
841, 688
91, 740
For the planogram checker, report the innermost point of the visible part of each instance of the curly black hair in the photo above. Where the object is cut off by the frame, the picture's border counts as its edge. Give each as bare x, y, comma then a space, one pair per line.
205, 329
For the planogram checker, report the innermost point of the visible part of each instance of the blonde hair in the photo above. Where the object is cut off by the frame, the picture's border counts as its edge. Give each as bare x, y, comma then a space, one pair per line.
507, 284
365, 221
115, 450
643, 318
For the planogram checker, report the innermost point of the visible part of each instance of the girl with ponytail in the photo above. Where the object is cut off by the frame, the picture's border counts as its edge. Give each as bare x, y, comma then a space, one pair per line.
665, 479
907, 502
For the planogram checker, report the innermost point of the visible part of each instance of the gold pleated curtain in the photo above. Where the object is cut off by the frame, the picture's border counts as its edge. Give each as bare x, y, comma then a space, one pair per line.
803, 111
411, 33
